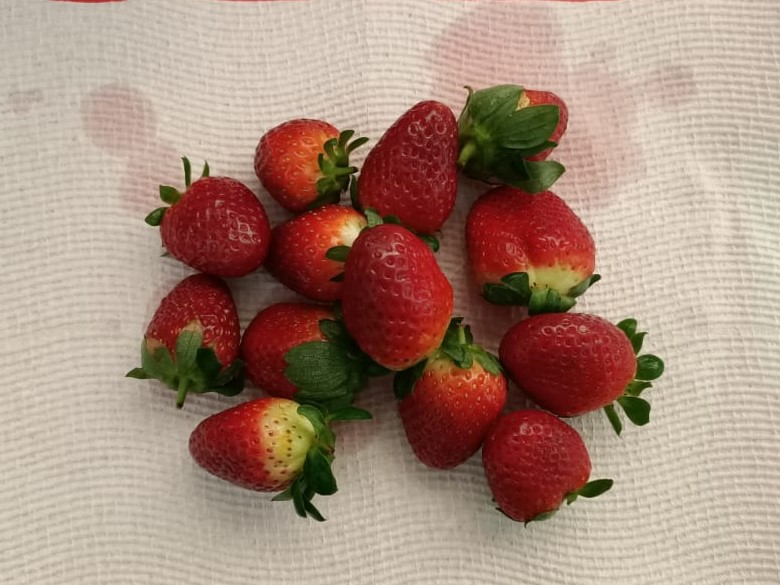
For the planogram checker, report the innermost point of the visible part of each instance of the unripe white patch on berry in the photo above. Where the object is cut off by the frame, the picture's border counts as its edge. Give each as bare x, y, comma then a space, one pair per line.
524, 101
351, 230
559, 277
286, 437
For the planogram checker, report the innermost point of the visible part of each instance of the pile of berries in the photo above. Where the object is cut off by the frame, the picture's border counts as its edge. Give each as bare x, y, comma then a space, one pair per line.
382, 305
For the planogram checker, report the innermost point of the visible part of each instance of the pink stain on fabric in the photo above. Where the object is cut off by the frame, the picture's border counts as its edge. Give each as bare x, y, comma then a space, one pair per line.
521, 43
121, 120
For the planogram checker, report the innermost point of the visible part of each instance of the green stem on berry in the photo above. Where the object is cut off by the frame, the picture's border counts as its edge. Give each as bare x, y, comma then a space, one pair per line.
181, 392
466, 153
614, 419
648, 367
187, 171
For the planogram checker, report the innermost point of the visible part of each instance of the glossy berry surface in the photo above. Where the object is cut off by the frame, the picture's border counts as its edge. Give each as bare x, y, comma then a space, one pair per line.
532, 460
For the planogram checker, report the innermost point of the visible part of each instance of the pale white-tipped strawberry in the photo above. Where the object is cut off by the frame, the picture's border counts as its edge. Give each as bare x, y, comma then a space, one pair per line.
273, 445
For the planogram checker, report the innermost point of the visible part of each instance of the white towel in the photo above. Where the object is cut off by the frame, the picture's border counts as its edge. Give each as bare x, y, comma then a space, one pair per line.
672, 156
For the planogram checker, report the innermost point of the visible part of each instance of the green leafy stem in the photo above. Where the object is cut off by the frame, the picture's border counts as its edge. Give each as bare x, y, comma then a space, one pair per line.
496, 138
329, 373
459, 347
648, 368
171, 195
195, 369
335, 169
317, 477
516, 289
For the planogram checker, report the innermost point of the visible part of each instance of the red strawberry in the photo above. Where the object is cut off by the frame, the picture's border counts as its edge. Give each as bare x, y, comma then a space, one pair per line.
571, 364
449, 401
529, 250
533, 462
272, 333
192, 341
411, 173
505, 133
272, 444
301, 351
299, 250
216, 226
304, 163
397, 302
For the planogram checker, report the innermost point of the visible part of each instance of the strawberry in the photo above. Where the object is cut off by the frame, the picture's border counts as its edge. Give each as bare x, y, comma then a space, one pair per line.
449, 401
571, 364
397, 302
305, 163
533, 462
411, 173
271, 334
216, 226
505, 133
529, 250
272, 444
299, 257
301, 350
192, 342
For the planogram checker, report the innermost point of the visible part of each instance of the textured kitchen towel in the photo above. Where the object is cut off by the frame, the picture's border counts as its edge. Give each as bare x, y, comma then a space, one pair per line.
672, 157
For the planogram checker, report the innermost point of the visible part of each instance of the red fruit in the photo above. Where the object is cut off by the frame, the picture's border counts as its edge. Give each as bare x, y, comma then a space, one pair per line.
396, 300
529, 250
216, 226
411, 173
192, 341
571, 364
532, 97
299, 246
270, 444
533, 461
505, 134
272, 333
449, 402
304, 163
303, 351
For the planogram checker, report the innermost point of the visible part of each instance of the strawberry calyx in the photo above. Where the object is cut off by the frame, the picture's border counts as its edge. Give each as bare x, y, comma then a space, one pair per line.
457, 347
497, 133
316, 477
171, 195
194, 369
592, 489
328, 374
648, 368
516, 289
335, 168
